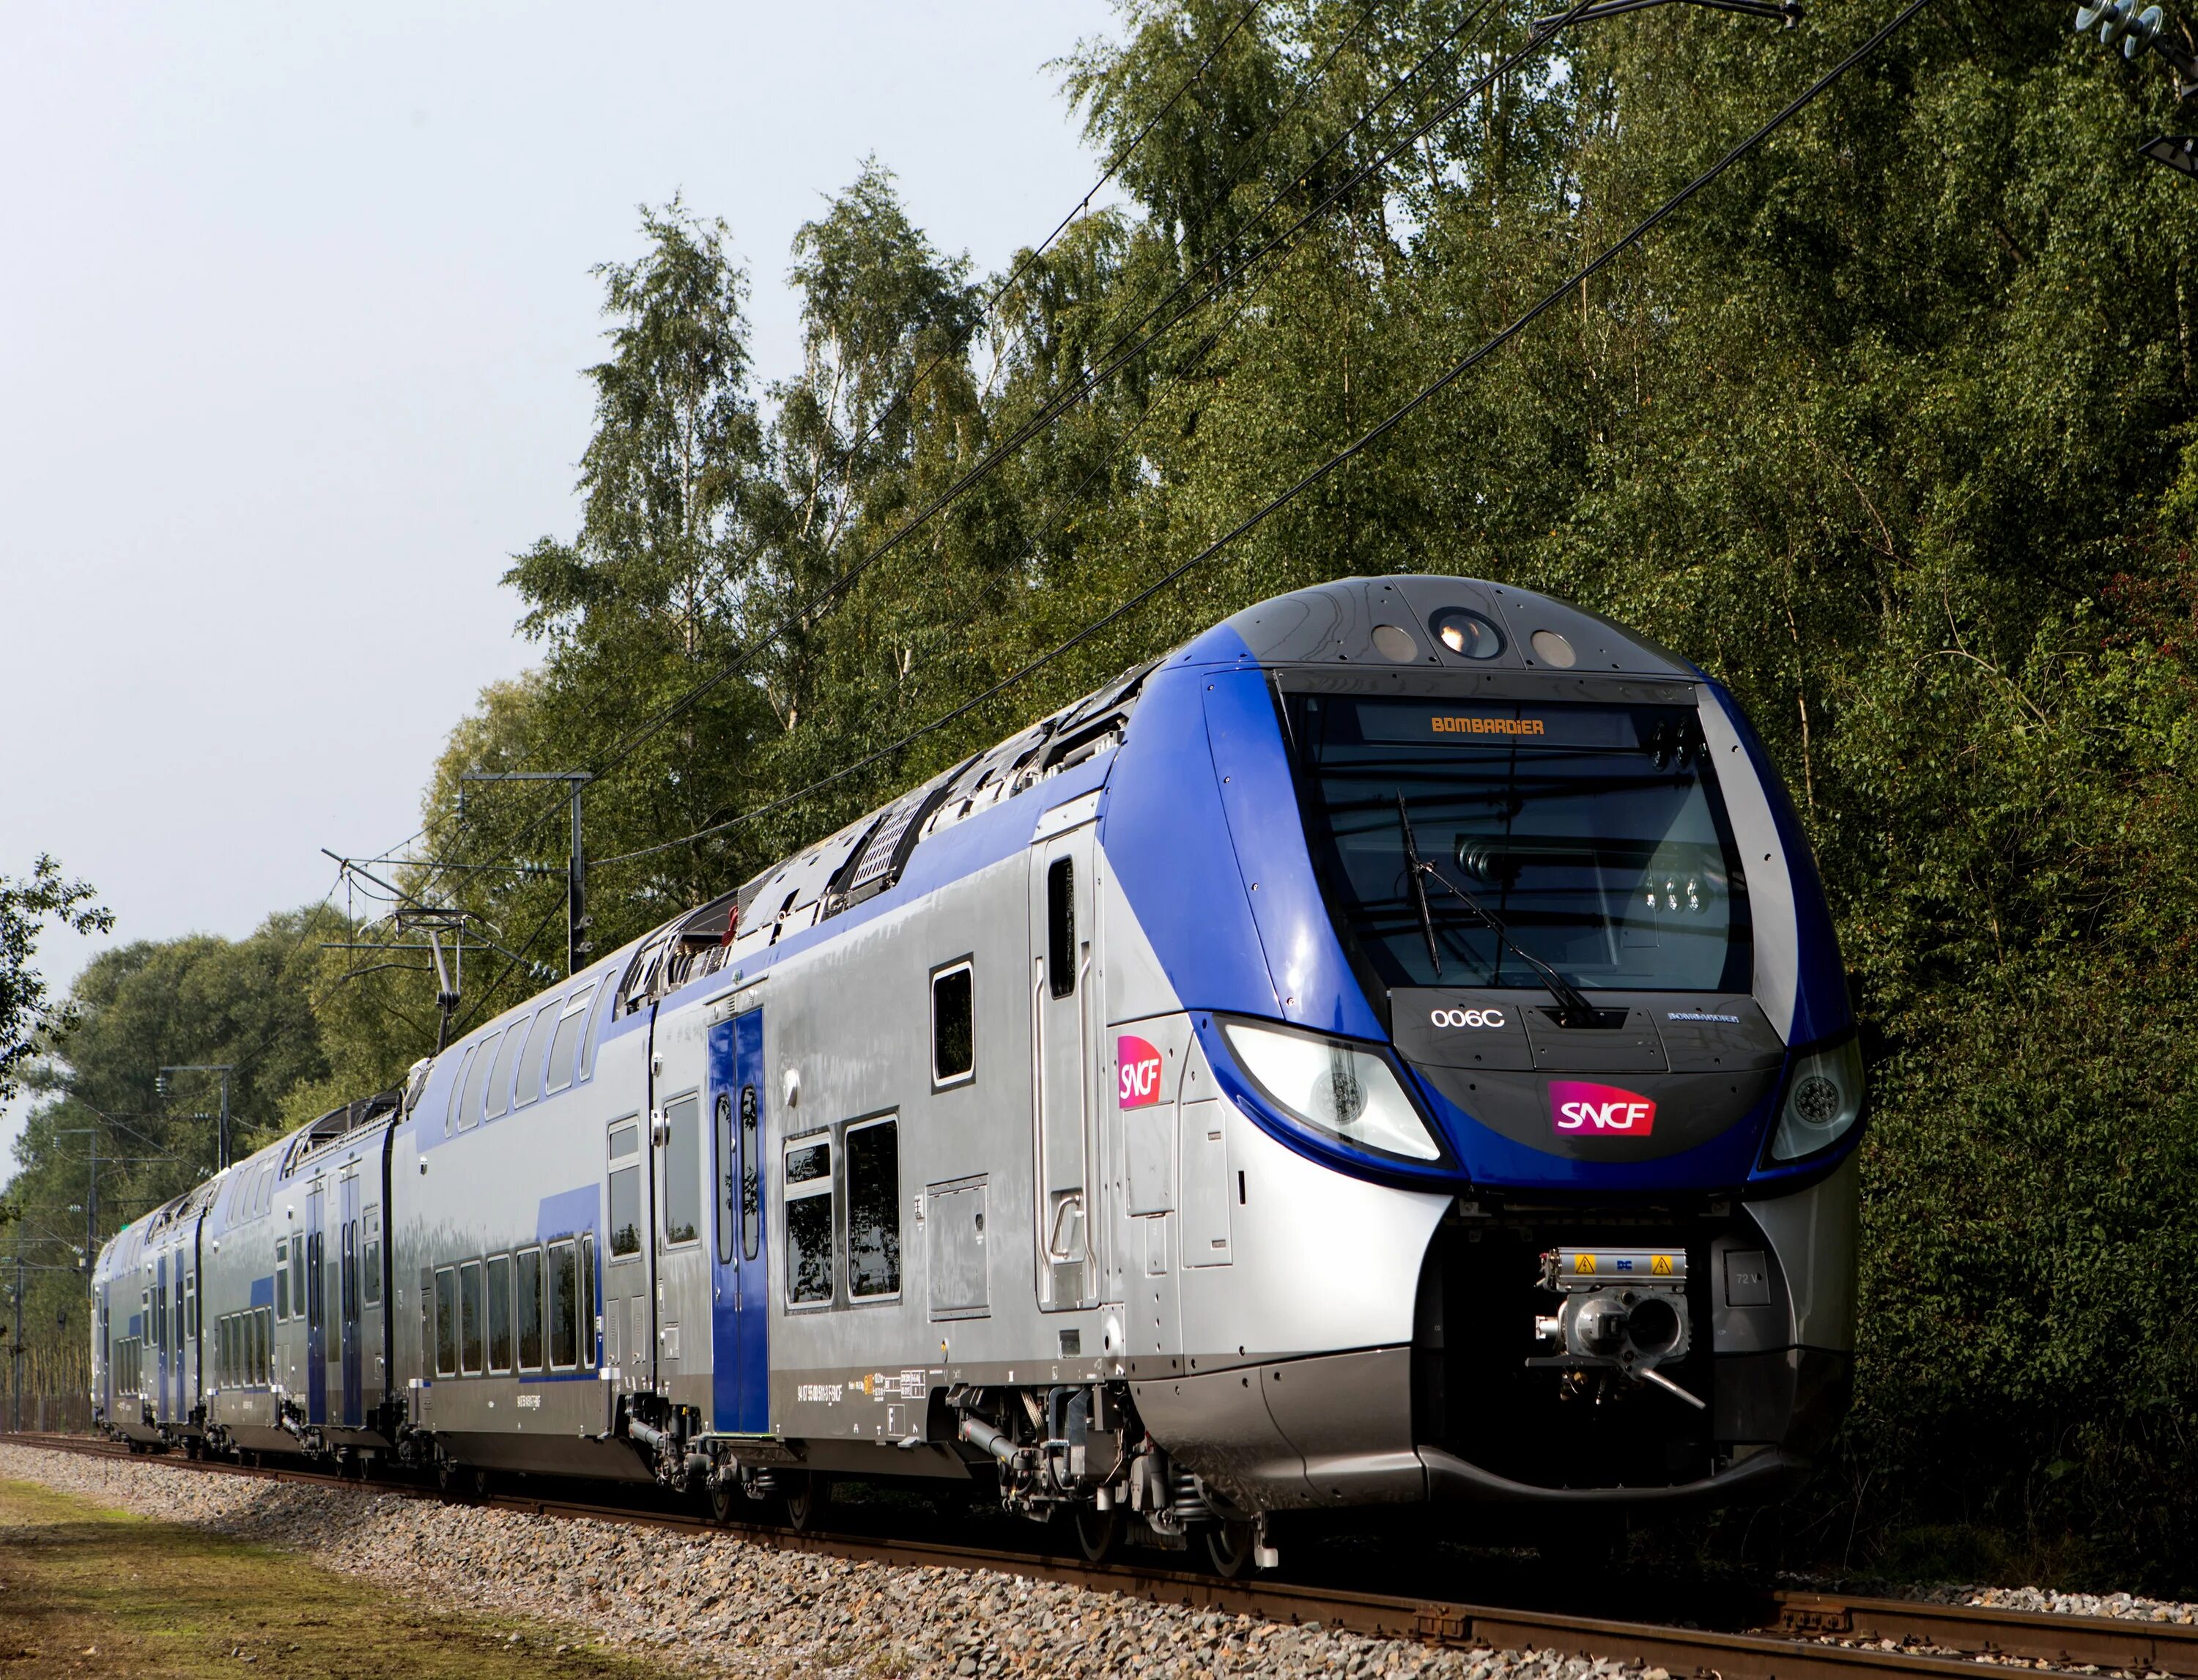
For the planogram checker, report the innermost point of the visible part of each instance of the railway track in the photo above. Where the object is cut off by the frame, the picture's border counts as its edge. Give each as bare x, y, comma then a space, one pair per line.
1789, 1636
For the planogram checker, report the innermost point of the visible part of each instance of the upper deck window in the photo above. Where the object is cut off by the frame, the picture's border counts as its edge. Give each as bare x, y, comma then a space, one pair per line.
1595, 835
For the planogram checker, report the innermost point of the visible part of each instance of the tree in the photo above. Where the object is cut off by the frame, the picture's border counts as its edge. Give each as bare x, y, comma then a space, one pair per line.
25, 907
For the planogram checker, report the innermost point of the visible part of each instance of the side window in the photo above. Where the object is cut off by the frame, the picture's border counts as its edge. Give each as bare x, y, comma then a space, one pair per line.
565, 1047
458, 1090
469, 1101
349, 1280
373, 1256
1060, 926
264, 1318
446, 1323
682, 1169
808, 1221
531, 1066
625, 1189
281, 1279
191, 1304
750, 1176
469, 1318
602, 1014
527, 1279
499, 1314
297, 1277
564, 1292
499, 1080
953, 1025
588, 1299
874, 1209
727, 1199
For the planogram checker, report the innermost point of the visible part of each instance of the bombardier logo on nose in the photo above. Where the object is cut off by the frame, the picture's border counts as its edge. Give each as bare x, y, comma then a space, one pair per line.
1578, 1108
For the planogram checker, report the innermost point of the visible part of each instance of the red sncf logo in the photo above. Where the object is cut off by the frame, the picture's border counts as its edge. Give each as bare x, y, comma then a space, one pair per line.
1141, 1072
1579, 1108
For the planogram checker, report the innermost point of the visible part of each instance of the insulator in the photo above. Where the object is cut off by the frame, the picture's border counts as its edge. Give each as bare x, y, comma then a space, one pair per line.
2143, 32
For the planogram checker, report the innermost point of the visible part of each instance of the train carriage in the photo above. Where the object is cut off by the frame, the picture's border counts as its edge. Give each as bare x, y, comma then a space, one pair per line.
1390, 1049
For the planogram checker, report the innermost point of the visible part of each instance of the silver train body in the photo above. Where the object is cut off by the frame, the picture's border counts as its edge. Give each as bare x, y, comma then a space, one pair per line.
1389, 1050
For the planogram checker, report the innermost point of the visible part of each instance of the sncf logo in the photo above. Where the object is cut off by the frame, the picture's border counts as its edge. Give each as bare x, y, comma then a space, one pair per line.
1578, 1108
1141, 1072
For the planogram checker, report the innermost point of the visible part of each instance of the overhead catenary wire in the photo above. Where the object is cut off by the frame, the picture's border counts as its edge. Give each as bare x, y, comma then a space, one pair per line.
1023, 264
822, 600
1373, 434
1118, 356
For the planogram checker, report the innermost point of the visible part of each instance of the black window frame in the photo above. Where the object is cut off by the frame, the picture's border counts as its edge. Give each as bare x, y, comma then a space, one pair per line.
473, 1333
1060, 928
964, 965
446, 1320
888, 1124
526, 1295
824, 1187
564, 1251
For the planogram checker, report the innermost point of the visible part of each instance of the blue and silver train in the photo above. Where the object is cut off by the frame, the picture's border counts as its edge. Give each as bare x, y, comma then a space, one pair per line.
1390, 1049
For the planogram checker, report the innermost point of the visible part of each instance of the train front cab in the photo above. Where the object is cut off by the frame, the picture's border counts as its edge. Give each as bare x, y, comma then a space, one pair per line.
1530, 1178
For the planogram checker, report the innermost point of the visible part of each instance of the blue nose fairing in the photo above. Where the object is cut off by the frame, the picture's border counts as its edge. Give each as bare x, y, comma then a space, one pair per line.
1206, 829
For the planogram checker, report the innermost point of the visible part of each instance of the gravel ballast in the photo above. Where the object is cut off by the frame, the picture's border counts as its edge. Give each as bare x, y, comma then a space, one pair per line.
2121, 1606
720, 1605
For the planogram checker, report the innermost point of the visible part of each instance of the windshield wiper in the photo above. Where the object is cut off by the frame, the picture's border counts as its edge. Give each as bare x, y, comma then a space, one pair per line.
1572, 1007
1419, 884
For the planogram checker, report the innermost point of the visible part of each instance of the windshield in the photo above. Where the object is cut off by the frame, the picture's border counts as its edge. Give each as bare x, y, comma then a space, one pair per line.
1593, 835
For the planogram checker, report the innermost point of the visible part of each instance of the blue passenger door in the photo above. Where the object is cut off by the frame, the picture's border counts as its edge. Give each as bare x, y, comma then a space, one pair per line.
740, 1272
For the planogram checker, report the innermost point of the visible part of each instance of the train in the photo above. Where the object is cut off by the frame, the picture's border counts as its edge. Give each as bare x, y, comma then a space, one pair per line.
1391, 1051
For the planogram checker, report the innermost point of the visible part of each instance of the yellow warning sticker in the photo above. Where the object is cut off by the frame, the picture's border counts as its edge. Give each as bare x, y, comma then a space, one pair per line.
1584, 1263
1661, 1265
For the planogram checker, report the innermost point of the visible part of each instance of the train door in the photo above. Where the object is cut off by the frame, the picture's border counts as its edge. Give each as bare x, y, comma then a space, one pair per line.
348, 1296
739, 1275
1065, 1038
188, 1257
317, 1307
683, 1259
160, 1351
373, 1281
627, 1327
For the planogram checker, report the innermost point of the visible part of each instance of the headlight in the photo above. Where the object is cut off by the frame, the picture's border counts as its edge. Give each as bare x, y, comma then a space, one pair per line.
1823, 1100
1335, 1089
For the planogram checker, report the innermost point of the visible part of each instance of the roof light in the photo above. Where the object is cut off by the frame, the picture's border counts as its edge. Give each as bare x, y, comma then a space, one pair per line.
1467, 634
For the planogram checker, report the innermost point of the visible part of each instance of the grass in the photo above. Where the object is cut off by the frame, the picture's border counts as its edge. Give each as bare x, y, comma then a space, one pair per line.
86, 1591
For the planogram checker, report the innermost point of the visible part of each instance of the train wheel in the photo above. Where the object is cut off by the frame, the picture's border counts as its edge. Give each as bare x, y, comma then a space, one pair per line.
1098, 1533
448, 1479
1229, 1547
806, 1493
725, 1502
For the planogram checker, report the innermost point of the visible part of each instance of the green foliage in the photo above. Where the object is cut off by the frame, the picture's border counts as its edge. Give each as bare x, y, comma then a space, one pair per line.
1892, 429
25, 906
99, 1118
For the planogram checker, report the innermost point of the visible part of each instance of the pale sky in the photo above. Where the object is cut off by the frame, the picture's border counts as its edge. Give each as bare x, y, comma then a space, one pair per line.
292, 315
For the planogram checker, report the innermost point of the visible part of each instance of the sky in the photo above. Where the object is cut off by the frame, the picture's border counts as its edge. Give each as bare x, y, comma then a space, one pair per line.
292, 319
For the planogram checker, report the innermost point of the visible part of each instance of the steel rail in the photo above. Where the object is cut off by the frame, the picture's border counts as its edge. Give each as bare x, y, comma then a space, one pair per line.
1804, 1634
